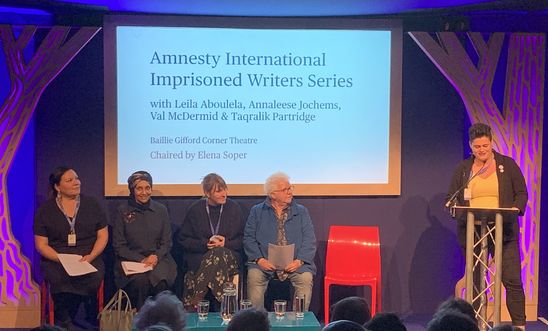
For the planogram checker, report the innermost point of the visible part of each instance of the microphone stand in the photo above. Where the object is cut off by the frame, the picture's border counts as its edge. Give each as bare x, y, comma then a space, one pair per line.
453, 197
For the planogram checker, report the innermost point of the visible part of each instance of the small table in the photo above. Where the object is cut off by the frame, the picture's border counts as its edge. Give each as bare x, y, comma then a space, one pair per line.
214, 322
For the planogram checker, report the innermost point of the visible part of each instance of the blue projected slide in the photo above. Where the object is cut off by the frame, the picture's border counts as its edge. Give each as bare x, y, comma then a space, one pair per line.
247, 102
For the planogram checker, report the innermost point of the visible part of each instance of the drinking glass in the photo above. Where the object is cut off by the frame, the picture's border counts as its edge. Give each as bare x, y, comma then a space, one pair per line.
245, 304
203, 309
279, 308
298, 305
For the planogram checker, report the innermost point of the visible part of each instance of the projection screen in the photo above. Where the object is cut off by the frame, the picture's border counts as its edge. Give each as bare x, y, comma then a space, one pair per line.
316, 98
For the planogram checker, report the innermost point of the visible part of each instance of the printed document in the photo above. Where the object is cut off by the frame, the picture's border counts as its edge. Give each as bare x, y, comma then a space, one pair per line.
73, 266
131, 267
281, 256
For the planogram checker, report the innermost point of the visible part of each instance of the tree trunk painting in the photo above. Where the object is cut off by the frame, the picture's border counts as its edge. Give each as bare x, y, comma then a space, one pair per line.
517, 128
19, 295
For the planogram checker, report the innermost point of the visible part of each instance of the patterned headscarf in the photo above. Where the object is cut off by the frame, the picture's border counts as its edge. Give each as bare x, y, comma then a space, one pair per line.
137, 176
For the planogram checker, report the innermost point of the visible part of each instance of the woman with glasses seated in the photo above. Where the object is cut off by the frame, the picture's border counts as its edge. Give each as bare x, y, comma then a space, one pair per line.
211, 236
281, 221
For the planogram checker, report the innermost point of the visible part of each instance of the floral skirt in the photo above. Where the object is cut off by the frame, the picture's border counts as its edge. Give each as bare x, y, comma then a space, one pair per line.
218, 266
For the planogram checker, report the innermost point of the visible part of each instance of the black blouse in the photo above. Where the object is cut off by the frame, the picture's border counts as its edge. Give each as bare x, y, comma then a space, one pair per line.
50, 222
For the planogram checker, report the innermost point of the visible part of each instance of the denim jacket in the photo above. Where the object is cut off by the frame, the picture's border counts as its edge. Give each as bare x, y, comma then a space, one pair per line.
262, 228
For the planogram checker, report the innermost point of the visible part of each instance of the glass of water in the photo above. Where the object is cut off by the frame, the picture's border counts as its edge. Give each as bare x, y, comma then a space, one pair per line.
245, 304
203, 309
279, 308
298, 305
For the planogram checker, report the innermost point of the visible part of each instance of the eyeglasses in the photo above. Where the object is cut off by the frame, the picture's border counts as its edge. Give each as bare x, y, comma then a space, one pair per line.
286, 190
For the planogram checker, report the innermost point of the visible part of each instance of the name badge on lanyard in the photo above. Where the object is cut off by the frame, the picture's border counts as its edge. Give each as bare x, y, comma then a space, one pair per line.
71, 237
214, 231
467, 194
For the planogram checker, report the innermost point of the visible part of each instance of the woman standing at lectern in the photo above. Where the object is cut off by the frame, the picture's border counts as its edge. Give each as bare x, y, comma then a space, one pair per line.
488, 179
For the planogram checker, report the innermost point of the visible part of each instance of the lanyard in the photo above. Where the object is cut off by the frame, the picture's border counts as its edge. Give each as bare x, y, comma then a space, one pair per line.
479, 172
216, 230
70, 221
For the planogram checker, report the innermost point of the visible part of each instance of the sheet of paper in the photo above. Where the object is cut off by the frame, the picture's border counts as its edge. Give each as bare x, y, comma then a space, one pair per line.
73, 266
131, 267
281, 256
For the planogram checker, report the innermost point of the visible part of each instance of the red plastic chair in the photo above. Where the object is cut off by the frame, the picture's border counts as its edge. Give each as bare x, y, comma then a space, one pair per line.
353, 258
47, 300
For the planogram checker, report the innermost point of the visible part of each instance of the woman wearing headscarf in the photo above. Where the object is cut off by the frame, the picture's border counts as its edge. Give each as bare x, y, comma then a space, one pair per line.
70, 223
142, 233
211, 236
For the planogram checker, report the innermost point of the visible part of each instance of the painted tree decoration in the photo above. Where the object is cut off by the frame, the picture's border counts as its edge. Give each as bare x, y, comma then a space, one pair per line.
517, 128
28, 82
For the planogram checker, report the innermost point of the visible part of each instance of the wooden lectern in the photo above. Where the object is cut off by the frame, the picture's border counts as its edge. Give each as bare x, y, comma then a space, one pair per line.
488, 222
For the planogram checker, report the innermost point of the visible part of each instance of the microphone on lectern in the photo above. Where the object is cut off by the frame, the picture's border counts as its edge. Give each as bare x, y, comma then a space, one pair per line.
454, 195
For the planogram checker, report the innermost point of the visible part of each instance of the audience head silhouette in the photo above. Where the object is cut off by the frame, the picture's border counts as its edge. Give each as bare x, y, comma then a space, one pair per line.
158, 327
451, 320
353, 309
249, 320
165, 308
343, 325
385, 322
460, 305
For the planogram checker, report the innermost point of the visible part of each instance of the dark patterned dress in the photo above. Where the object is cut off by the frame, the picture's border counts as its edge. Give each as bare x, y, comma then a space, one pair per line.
218, 266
